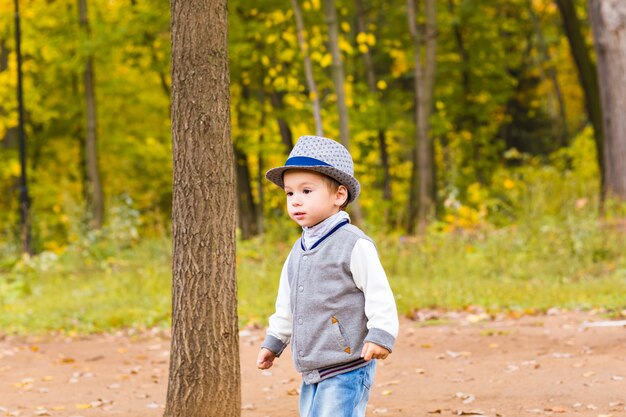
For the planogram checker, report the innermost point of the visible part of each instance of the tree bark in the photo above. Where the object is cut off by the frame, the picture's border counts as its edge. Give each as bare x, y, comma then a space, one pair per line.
95, 195
204, 376
308, 69
330, 15
608, 21
422, 196
588, 79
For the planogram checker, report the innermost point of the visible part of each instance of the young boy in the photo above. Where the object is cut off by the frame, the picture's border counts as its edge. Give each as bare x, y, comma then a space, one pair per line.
334, 302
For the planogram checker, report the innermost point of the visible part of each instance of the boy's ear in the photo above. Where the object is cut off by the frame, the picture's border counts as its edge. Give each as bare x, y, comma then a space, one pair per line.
341, 195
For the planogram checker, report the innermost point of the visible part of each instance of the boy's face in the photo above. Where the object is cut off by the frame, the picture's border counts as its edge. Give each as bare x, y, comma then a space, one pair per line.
309, 199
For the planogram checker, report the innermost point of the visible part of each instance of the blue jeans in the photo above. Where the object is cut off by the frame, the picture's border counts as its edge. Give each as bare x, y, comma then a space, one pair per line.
344, 395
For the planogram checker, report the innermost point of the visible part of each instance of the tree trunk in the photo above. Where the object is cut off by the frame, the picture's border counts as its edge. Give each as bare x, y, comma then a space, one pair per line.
338, 75
559, 131
308, 69
95, 200
608, 21
246, 209
422, 200
371, 83
588, 79
204, 376
285, 131
330, 15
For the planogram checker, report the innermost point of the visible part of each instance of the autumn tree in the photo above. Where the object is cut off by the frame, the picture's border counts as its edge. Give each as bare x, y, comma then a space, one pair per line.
204, 376
422, 200
588, 76
608, 20
93, 186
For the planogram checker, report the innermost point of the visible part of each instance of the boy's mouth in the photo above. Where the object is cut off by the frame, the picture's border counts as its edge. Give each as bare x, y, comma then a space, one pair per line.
299, 213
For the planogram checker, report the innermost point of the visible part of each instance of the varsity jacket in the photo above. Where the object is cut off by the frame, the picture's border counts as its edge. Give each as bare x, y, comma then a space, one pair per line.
332, 298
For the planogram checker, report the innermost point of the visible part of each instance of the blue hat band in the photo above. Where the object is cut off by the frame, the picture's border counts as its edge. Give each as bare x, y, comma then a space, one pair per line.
305, 161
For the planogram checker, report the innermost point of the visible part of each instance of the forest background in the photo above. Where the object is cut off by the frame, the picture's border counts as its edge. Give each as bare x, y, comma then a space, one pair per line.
518, 223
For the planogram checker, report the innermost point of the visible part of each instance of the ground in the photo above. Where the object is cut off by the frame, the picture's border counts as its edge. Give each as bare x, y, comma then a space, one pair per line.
458, 364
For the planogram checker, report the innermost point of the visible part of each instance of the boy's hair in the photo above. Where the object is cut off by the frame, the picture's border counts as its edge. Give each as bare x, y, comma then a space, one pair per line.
333, 185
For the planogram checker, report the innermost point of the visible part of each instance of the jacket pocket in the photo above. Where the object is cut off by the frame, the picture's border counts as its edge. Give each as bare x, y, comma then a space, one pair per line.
340, 334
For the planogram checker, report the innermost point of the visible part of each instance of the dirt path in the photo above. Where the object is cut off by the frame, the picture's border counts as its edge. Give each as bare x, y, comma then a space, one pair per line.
542, 365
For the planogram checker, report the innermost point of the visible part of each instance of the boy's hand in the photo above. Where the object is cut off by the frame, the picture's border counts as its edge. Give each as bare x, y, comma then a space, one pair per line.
373, 351
265, 360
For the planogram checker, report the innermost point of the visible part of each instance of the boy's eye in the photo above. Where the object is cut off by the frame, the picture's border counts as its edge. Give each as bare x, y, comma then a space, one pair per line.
289, 193
305, 191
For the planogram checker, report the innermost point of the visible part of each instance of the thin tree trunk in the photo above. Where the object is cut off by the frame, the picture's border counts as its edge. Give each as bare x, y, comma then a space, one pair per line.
588, 79
561, 133
261, 188
246, 208
608, 21
95, 195
422, 204
330, 15
308, 69
338, 75
204, 375
285, 131
371, 83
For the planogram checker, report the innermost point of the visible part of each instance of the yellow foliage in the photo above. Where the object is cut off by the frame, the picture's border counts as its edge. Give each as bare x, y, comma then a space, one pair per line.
363, 48
400, 64
345, 26
381, 85
345, 45
290, 38
326, 60
509, 184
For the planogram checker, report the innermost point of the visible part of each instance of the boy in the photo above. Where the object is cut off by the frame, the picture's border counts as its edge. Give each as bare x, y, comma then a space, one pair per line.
334, 302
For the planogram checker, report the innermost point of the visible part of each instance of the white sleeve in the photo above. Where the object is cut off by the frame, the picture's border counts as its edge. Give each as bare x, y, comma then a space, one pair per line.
369, 276
280, 323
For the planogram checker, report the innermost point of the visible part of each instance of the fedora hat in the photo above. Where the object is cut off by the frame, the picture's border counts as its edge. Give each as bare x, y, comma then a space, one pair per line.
323, 155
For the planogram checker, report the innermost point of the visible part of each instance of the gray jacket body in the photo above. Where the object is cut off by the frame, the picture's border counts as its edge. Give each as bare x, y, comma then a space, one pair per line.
329, 321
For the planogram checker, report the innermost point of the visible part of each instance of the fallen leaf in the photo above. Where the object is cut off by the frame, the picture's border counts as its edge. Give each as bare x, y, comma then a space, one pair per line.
293, 392
557, 409
47, 378
248, 407
152, 405
588, 374
420, 371
617, 378
380, 411
437, 411
387, 392
82, 406
395, 382
493, 346
469, 413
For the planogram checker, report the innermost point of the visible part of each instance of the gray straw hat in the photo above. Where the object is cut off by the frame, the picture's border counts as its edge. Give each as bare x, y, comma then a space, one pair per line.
323, 155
